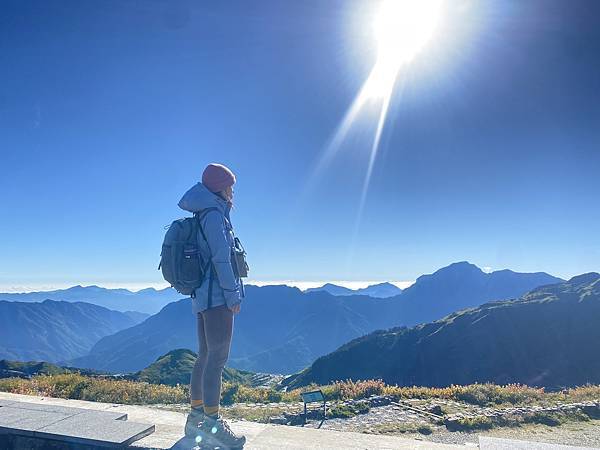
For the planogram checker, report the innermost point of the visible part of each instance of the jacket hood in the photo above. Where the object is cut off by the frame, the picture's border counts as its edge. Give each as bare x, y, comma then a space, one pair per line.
199, 197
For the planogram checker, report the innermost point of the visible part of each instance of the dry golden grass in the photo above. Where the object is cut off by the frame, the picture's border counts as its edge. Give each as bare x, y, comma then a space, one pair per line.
76, 386
579, 394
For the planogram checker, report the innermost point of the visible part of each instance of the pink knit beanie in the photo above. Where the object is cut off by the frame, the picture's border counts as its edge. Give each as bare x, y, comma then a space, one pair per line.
217, 177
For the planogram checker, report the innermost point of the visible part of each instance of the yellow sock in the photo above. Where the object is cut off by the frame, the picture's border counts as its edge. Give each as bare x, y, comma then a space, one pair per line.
197, 404
211, 410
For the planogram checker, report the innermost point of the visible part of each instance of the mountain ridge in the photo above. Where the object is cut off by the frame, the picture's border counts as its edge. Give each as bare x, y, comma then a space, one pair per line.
377, 290
55, 330
546, 337
148, 301
282, 330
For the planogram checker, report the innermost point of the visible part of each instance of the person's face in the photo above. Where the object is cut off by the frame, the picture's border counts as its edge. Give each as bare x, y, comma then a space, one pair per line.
229, 193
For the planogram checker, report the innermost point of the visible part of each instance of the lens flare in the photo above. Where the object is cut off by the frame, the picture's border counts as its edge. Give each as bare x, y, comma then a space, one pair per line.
401, 29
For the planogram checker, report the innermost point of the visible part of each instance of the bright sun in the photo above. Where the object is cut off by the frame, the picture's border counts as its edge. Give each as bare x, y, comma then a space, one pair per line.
402, 28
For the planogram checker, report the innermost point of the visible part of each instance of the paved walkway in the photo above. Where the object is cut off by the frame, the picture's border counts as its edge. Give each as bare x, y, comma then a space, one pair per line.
21, 420
489, 443
169, 428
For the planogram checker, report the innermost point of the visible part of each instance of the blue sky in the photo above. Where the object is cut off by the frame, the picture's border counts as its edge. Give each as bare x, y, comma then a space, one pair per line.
109, 111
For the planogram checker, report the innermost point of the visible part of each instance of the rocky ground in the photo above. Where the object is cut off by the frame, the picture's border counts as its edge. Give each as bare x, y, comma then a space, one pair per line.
398, 421
434, 419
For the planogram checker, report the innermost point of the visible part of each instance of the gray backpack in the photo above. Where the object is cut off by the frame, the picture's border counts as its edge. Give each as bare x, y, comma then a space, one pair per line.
180, 259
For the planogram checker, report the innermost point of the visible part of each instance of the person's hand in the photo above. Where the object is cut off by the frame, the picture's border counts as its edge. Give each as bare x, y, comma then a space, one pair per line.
236, 308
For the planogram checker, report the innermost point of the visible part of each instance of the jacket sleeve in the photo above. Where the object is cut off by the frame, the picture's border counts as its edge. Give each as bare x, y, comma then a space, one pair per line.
220, 251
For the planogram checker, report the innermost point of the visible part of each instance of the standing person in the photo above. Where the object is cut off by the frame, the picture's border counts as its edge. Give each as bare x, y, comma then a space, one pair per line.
214, 303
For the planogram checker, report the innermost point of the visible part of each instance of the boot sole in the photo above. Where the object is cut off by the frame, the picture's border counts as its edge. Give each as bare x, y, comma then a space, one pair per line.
205, 447
211, 443
216, 447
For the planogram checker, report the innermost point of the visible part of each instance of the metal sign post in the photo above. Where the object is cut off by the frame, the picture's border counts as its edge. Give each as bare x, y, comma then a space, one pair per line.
314, 397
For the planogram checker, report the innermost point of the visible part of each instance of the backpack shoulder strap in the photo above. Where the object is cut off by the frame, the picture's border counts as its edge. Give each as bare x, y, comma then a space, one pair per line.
203, 212
200, 215
209, 266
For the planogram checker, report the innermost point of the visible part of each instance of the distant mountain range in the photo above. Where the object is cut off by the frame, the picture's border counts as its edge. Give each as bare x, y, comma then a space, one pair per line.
549, 337
282, 330
380, 290
149, 301
53, 331
458, 286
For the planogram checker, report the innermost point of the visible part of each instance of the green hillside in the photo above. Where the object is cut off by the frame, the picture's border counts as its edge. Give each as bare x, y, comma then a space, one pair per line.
171, 369
176, 366
27, 369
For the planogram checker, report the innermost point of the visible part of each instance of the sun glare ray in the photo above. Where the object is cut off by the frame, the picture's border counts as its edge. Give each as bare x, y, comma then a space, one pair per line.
401, 28
342, 130
372, 157
374, 148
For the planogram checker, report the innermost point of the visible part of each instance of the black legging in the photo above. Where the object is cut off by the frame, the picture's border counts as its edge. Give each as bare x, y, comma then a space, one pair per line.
215, 328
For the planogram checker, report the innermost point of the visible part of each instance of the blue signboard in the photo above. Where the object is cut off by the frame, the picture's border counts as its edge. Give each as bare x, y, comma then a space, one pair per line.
313, 396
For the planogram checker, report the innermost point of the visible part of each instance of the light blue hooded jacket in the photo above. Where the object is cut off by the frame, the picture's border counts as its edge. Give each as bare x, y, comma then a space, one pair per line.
226, 287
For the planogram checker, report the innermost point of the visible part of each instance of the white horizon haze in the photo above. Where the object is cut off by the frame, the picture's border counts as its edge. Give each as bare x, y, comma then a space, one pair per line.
136, 287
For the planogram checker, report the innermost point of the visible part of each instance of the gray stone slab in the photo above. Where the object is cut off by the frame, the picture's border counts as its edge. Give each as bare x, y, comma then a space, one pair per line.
67, 410
48, 408
76, 425
489, 443
26, 421
90, 428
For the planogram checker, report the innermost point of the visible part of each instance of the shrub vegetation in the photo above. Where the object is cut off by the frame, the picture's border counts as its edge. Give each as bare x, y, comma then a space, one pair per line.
98, 389
106, 389
345, 411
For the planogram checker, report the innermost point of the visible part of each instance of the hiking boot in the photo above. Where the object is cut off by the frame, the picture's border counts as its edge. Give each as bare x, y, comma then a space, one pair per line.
216, 432
194, 420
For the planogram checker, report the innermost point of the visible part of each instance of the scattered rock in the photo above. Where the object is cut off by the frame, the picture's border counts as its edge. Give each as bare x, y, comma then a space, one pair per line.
280, 420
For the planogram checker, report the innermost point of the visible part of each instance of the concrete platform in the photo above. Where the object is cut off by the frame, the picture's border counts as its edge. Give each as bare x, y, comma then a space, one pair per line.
29, 423
169, 430
489, 443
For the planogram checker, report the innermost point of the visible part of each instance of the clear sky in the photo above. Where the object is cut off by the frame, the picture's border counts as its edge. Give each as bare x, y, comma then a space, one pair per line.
109, 111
